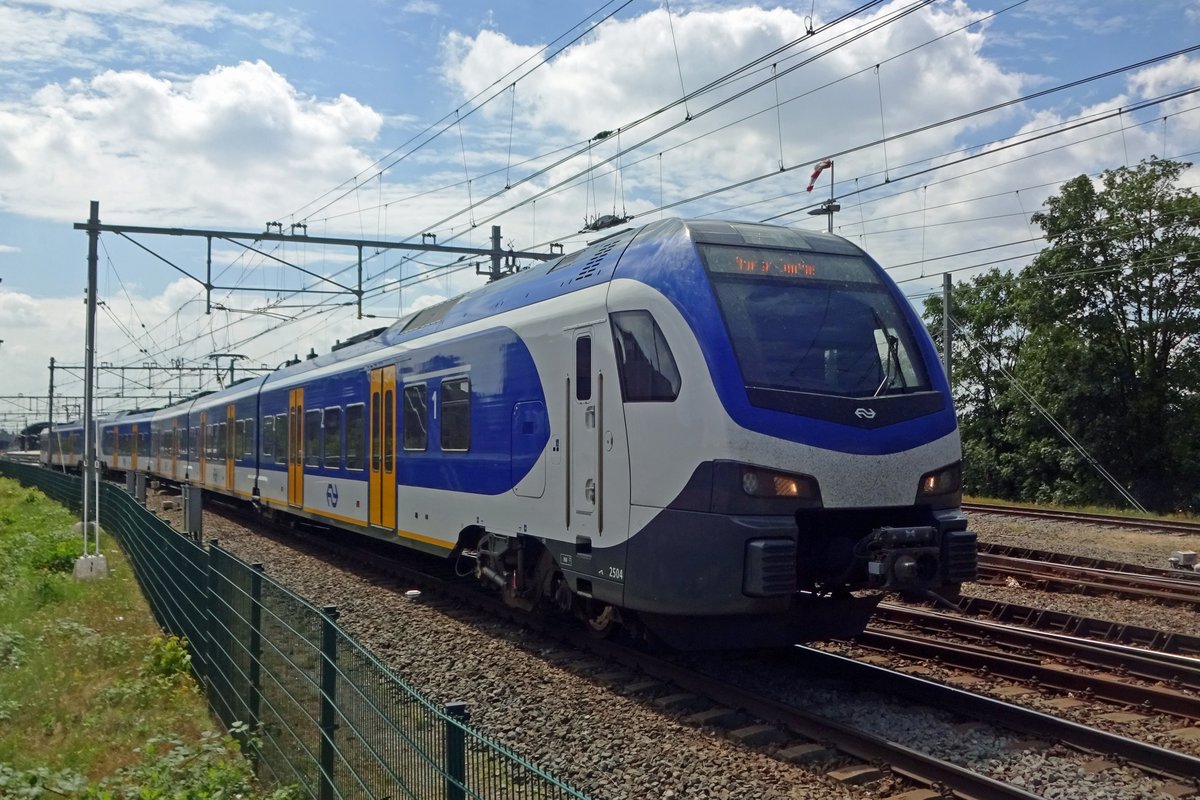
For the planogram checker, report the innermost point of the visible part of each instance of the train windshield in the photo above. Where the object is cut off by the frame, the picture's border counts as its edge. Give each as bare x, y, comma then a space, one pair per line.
820, 323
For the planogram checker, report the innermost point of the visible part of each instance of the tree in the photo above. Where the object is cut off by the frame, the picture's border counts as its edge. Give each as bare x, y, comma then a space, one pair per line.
987, 341
1110, 317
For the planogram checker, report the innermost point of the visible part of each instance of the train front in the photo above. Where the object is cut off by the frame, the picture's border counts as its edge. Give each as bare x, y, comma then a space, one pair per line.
819, 458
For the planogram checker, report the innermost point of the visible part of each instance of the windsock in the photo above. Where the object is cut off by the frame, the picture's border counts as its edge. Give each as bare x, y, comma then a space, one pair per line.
821, 165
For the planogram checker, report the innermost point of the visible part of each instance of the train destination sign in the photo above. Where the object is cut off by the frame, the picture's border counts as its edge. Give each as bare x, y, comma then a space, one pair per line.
786, 264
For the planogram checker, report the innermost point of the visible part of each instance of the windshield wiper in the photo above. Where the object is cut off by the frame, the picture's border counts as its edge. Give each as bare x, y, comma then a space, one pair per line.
893, 361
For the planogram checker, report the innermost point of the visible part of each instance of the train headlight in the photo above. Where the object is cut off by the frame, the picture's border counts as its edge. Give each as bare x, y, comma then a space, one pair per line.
947, 480
764, 483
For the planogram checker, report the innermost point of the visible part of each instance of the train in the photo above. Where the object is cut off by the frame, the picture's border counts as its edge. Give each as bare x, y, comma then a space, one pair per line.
713, 434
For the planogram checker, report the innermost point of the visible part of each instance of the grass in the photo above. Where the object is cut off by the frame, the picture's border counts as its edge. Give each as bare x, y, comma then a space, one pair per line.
94, 701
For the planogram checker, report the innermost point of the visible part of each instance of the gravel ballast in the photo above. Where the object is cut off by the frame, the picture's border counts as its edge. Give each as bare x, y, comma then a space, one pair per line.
614, 746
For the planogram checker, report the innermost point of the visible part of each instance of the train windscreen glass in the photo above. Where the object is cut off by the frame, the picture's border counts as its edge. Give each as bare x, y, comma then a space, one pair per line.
821, 323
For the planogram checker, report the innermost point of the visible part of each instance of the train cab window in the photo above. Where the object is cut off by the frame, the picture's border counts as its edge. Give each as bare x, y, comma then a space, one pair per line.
281, 438
312, 438
456, 414
415, 418
268, 438
647, 368
333, 438
583, 368
356, 432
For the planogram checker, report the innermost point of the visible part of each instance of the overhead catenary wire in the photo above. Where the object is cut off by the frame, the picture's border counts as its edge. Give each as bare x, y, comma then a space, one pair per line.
660, 188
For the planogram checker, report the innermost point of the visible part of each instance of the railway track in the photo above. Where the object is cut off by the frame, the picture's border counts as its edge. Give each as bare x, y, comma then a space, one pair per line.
1052, 576
797, 734
1109, 520
1119, 674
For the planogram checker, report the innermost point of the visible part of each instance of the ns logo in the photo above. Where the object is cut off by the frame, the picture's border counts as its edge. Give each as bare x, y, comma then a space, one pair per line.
864, 413
331, 495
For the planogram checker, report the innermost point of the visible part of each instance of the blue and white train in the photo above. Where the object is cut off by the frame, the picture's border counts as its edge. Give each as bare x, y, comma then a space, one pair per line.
715, 433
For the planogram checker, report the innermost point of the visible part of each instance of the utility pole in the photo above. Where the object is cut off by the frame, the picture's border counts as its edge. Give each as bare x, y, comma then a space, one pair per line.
91, 565
50, 406
946, 326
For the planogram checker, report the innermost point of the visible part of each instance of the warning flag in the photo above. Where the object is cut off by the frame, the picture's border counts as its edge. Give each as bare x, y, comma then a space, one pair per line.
821, 165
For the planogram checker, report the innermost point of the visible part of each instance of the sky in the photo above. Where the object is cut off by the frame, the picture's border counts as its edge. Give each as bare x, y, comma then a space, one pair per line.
948, 123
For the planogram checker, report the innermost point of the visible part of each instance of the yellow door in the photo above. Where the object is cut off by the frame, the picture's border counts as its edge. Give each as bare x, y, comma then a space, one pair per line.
296, 447
116, 446
231, 445
383, 447
203, 446
133, 450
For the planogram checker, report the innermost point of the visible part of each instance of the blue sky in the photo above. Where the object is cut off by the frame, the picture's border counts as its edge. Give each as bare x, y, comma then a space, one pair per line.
208, 114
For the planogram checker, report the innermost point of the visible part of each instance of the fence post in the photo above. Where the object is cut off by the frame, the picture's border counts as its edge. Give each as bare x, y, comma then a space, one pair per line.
457, 715
210, 618
255, 700
328, 698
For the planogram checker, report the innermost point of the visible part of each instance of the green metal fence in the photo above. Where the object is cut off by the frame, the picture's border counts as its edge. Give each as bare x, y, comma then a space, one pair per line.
330, 718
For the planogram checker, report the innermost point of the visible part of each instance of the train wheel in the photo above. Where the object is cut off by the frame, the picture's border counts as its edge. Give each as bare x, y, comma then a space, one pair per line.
602, 620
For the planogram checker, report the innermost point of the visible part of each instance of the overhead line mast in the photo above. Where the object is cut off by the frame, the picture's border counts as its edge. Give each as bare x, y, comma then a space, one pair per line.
496, 253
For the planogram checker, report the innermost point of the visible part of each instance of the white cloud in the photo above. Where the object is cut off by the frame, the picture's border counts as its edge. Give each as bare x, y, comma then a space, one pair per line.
86, 34
8, 248
422, 7
237, 142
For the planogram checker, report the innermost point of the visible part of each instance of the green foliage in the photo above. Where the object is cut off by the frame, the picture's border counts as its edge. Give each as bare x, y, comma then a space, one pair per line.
168, 661
1099, 336
11, 652
86, 686
169, 768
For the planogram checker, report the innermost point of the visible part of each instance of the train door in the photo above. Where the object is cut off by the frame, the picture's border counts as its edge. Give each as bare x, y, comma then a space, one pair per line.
135, 445
383, 448
296, 447
231, 445
116, 446
584, 476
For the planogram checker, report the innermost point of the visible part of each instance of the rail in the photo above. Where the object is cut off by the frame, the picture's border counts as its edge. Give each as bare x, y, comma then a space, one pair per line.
1108, 520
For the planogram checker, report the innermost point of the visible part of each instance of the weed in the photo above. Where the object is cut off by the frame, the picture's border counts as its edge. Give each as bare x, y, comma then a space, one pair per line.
168, 661
8, 709
11, 652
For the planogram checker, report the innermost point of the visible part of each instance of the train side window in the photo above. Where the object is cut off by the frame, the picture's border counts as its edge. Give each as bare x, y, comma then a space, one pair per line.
333, 438
456, 414
312, 438
248, 443
222, 438
355, 435
389, 429
646, 365
239, 441
416, 435
583, 368
268, 438
281, 438
193, 442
